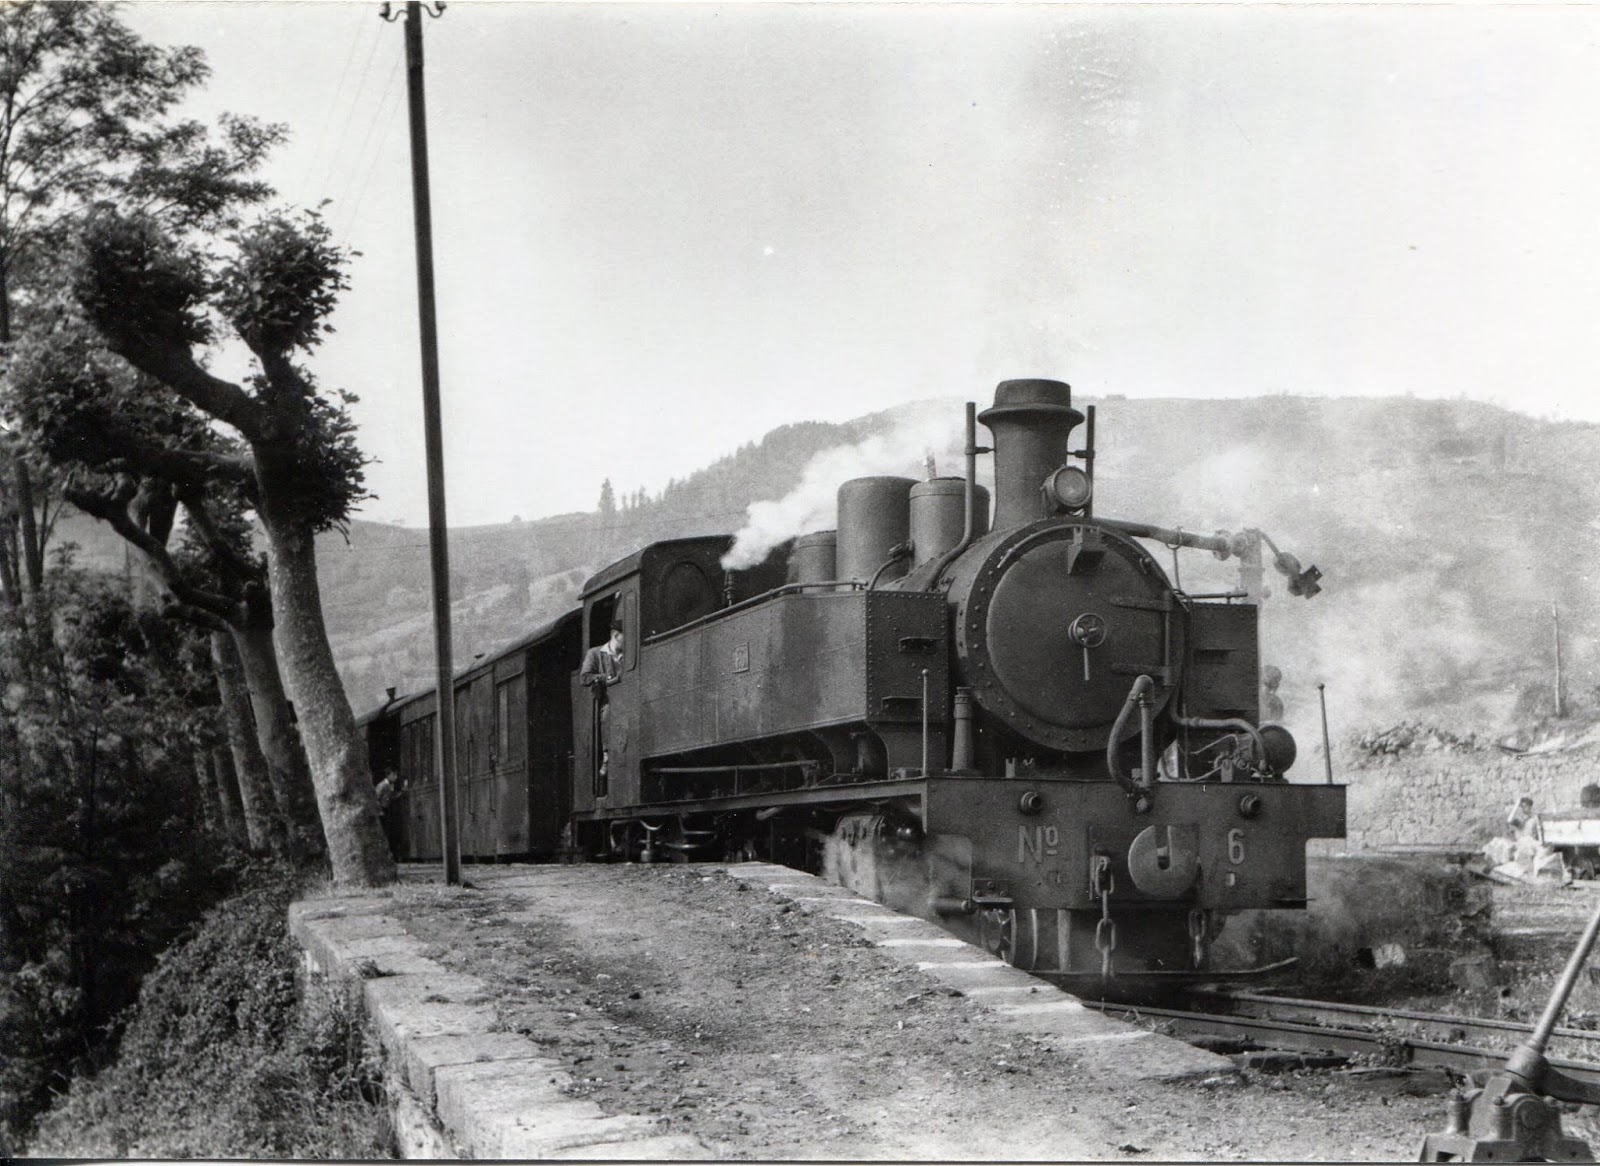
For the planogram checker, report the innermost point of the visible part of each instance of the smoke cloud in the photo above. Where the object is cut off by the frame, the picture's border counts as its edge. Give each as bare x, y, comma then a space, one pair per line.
1438, 582
1440, 565
930, 429
1387, 651
1400, 630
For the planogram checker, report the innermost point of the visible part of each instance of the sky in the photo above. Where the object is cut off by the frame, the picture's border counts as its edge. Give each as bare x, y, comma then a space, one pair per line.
662, 230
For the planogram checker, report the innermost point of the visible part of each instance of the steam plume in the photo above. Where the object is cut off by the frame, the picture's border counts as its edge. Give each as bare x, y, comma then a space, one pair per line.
931, 429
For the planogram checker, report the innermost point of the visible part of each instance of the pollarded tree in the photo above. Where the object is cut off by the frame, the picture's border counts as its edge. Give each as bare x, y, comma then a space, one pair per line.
132, 457
85, 109
156, 302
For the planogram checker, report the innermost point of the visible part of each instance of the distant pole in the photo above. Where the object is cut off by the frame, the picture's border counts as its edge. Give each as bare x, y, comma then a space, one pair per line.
438, 533
1327, 747
1555, 630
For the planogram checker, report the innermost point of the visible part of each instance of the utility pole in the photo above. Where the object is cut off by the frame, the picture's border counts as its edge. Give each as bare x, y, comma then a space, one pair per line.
438, 535
1555, 628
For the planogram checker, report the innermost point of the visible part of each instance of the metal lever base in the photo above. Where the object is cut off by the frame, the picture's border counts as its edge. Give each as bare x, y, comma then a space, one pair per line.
1503, 1122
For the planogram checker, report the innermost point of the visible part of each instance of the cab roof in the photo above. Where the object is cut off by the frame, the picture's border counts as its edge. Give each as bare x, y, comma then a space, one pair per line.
610, 576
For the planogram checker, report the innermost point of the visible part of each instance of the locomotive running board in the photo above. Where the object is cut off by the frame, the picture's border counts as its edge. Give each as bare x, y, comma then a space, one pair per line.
1207, 976
864, 791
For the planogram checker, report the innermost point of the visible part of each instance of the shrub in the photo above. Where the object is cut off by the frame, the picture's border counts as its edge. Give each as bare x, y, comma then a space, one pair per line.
105, 855
227, 1055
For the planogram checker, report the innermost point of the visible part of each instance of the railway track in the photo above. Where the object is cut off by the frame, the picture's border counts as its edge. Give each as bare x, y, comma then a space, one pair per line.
1415, 1039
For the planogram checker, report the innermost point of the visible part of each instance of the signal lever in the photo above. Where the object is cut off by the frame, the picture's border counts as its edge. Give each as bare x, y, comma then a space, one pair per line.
1515, 1116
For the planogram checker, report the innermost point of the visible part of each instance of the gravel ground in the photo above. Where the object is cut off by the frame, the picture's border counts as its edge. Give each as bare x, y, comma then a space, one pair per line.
772, 1033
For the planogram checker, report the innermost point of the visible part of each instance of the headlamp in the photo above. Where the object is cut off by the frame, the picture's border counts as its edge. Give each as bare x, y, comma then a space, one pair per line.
1068, 488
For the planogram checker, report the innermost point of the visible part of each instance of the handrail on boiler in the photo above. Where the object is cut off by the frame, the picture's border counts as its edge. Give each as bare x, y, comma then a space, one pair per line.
969, 530
1138, 697
765, 596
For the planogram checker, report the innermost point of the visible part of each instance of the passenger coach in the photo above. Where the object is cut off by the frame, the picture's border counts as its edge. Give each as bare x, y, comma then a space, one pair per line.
513, 752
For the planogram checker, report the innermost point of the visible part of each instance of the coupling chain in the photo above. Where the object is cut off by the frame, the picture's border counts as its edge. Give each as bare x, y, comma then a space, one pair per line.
1199, 925
1105, 931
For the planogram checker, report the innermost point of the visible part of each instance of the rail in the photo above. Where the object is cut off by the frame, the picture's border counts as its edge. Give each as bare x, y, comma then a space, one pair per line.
1316, 1026
1439, 1025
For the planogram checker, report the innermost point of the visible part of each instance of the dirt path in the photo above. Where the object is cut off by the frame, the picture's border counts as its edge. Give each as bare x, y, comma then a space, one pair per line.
768, 1032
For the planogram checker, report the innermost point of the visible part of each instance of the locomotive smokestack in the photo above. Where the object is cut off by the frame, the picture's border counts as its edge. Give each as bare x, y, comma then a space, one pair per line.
1032, 421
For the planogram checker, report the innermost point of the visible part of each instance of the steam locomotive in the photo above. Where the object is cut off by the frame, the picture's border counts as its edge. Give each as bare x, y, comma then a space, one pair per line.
1017, 726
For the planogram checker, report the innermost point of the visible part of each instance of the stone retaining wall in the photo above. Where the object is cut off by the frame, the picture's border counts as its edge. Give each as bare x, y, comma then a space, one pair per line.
1457, 799
458, 1087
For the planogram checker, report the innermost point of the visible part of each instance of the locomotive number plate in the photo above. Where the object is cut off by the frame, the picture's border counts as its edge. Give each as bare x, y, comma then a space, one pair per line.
1037, 843
1236, 846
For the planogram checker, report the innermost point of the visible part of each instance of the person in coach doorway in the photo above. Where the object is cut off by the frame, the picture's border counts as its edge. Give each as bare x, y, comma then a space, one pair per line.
602, 667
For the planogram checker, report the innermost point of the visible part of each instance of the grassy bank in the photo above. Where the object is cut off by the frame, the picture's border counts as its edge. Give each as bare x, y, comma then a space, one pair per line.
230, 1054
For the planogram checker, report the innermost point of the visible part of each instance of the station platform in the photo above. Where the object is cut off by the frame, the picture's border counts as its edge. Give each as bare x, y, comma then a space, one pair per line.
463, 1085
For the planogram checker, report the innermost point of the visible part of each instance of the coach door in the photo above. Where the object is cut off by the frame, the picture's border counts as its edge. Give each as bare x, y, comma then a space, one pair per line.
474, 777
508, 759
418, 773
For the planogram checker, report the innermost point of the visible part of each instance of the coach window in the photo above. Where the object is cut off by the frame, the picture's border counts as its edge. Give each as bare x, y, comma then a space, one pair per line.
409, 769
685, 595
511, 722
463, 732
416, 751
601, 616
617, 607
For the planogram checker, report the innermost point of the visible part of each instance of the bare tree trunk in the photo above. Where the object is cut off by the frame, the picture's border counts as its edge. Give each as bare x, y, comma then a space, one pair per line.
264, 824
10, 580
202, 789
357, 850
205, 790
32, 544
10, 537
227, 789
285, 757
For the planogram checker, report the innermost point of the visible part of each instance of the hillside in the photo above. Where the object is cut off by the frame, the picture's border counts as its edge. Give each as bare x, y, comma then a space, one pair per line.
1445, 530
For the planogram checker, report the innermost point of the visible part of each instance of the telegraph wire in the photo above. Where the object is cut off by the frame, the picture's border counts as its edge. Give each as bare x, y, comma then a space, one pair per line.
348, 214
356, 158
337, 154
372, 165
304, 186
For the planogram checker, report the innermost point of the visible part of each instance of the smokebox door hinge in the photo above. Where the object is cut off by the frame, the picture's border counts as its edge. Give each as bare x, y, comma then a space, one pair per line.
1084, 551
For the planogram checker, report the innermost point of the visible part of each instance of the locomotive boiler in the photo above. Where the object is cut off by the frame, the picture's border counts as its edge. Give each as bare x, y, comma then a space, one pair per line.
1015, 724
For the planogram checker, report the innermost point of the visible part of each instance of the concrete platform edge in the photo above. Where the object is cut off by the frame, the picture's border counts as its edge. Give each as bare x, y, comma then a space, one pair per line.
456, 1087
1010, 997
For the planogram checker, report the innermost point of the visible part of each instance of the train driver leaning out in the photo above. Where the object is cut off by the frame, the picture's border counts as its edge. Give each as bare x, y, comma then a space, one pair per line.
602, 667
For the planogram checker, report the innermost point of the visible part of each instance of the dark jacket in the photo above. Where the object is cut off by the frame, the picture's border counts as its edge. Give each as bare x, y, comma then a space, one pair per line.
600, 670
